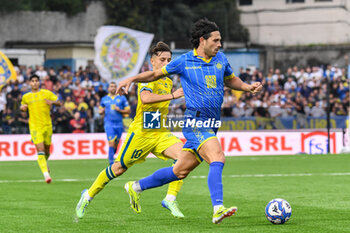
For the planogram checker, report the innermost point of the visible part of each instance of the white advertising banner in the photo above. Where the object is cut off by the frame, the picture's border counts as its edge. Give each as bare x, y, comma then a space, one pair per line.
95, 146
120, 52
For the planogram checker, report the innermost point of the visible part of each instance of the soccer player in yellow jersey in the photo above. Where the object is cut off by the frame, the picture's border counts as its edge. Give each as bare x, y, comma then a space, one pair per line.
153, 98
38, 102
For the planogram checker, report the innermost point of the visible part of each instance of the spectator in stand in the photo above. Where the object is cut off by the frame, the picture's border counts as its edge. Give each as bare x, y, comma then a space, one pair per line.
248, 109
69, 105
47, 83
41, 72
77, 124
300, 112
21, 122
275, 109
61, 120
101, 92
296, 73
87, 84
227, 103
15, 91
278, 77
20, 77
317, 110
8, 121
78, 93
289, 84
338, 110
91, 115
89, 96
53, 76
82, 108
245, 75
289, 74
96, 83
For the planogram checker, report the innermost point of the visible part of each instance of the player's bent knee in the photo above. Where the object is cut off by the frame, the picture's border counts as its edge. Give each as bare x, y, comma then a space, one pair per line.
182, 174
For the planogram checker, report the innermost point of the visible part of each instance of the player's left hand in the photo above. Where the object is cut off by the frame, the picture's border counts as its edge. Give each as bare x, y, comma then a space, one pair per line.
117, 108
255, 87
49, 102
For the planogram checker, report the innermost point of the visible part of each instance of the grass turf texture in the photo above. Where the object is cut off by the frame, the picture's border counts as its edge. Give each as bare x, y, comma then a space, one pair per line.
320, 199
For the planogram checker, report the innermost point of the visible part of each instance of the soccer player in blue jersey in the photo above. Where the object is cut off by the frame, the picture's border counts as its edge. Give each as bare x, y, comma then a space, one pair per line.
113, 106
203, 74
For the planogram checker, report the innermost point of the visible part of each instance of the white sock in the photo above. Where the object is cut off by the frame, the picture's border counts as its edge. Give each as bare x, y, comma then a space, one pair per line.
170, 197
46, 175
216, 207
87, 196
136, 187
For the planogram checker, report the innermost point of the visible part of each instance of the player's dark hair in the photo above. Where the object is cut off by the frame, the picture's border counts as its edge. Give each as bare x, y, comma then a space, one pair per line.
112, 83
34, 76
159, 48
202, 28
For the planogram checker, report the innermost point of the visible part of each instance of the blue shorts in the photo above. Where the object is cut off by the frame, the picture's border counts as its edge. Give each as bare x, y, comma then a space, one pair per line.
196, 136
113, 132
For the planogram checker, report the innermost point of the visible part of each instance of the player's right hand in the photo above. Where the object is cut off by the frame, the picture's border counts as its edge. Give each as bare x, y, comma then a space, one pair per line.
178, 93
123, 86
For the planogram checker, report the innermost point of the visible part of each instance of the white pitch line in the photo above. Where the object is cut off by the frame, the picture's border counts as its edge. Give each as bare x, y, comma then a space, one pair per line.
194, 177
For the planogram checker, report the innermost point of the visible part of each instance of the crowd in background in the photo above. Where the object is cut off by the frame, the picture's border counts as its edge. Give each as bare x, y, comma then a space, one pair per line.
297, 92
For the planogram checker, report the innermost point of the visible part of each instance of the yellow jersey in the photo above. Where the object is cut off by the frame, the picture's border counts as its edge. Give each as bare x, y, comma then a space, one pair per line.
39, 110
160, 87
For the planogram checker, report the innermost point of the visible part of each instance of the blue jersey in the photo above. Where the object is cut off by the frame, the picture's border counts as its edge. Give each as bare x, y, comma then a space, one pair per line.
112, 116
202, 81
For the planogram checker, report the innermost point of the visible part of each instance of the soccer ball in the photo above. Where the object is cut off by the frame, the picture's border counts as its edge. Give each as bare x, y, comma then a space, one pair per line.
278, 211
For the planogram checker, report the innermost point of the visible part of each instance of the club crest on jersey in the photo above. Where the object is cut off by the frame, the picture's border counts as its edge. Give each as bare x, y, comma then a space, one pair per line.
119, 54
219, 66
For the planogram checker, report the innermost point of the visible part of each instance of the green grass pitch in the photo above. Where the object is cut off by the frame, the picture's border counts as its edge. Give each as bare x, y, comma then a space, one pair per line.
316, 186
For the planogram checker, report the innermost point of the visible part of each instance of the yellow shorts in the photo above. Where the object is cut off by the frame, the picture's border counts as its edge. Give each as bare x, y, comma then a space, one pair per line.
41, 135
136, 148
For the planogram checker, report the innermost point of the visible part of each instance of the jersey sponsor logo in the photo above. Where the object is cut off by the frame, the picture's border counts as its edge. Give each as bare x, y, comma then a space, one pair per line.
119, 54
193, 67
151, 120
211, 81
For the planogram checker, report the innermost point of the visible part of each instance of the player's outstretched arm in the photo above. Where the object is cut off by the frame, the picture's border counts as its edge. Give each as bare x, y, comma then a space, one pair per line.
148, 97
145, 77
237, 84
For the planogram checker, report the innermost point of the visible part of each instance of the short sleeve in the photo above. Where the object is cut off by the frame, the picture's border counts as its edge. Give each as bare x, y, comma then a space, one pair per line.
228, 73
175, 66
146, 87
51, 96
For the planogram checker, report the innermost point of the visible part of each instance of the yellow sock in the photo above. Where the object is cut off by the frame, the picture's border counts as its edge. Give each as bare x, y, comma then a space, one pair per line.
42, 162
175, 186
102, 179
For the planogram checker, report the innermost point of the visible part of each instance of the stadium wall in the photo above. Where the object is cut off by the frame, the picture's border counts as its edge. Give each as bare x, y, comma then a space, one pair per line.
240, 143
43, 27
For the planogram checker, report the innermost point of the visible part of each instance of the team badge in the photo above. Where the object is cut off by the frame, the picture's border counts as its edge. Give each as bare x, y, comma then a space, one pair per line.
219, 66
